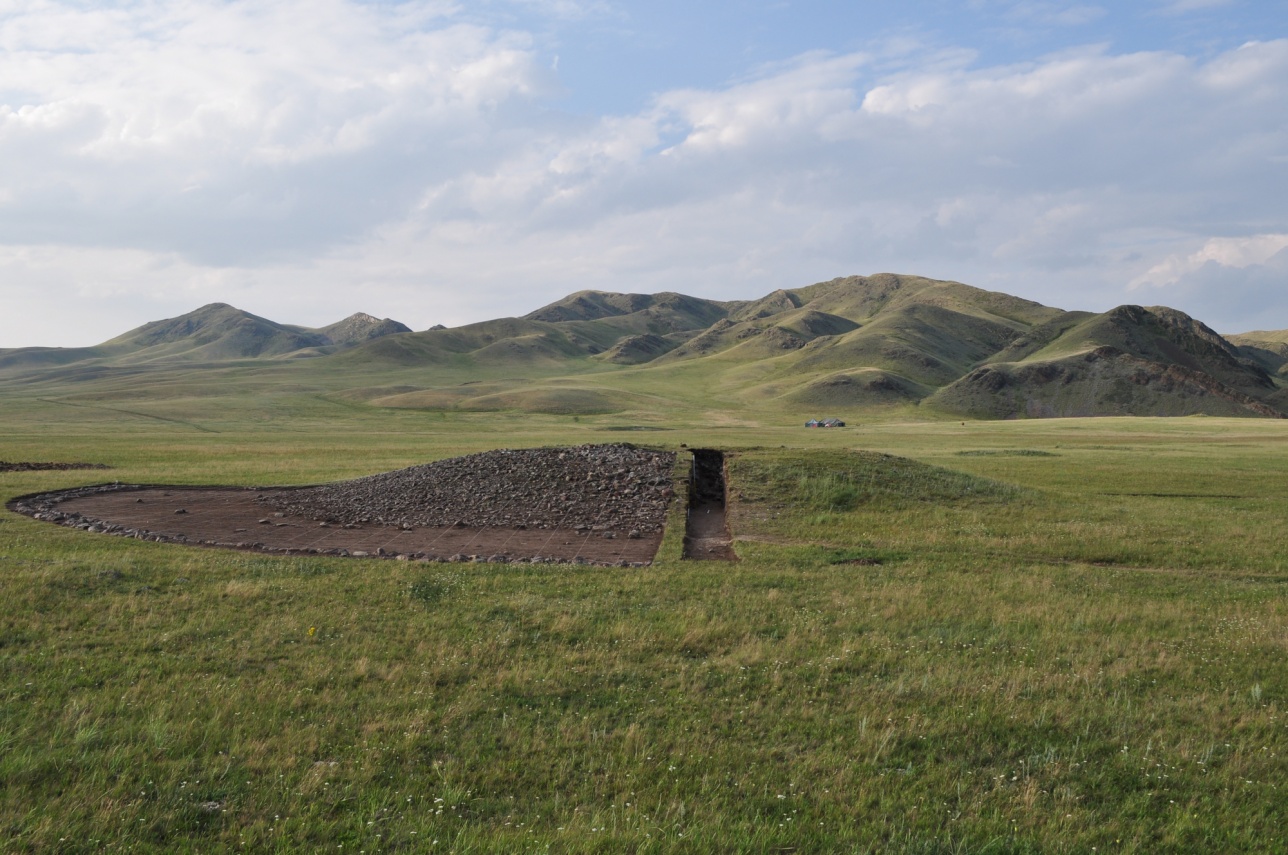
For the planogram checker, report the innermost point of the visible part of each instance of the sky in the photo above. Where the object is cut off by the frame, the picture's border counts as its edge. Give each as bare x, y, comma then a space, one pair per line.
442, 162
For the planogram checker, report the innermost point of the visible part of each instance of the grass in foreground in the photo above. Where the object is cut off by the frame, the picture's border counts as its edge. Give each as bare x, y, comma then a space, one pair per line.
976, 652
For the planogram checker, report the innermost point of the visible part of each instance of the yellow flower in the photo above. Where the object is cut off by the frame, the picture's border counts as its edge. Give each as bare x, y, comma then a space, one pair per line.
312, 630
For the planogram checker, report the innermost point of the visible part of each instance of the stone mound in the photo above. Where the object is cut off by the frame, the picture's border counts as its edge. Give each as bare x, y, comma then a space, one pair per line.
612, 488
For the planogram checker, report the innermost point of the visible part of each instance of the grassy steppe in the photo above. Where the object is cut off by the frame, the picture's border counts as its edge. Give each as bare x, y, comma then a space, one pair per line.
1020, 636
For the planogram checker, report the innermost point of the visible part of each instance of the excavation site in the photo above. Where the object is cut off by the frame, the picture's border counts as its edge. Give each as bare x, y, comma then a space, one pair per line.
589, 504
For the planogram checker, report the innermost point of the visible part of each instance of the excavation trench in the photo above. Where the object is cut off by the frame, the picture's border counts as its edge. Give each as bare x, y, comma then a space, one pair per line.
706, 530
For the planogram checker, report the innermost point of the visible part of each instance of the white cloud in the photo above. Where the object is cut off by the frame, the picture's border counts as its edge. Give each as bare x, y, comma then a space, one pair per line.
569, 9
800, 98
307, 161
1181, 7
1253, 71
1234, 284
1235, 252
1053, 13
1061, 179
1233, 292
229, 131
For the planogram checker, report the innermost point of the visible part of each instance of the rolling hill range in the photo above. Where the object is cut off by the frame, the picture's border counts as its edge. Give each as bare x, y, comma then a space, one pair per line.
214, 333
885, 343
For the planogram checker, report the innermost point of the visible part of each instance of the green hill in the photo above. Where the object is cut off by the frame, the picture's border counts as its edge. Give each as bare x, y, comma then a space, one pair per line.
1275, 336
1099, 382
216, 332
867, 387
27, 358
1165, 336
891, 342
212, 333
927, 343
638, 349
515, 340
861, 298
360, 327
1268, 349
1128, 361
660, 313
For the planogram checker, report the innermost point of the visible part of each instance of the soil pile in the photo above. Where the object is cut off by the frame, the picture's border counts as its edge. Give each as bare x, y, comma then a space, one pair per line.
610, 488
8, 466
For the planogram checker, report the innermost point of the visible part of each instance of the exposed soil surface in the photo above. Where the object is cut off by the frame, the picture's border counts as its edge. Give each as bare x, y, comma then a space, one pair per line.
590, 505
706, 533
8, 466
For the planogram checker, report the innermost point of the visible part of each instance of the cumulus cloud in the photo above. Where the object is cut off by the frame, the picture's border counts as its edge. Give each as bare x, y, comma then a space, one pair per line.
309, 160
1235, 284
231, 131
1053, 13
1071, 171
1235, 252
1233, 295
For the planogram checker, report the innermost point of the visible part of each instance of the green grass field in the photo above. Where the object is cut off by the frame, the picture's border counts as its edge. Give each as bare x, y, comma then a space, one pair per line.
1045, 636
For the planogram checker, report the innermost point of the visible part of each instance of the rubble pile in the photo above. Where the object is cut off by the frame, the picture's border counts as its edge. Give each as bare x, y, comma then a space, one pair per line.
609, 488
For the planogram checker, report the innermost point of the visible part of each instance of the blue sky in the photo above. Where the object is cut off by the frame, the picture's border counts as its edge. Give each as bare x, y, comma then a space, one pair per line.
445, 162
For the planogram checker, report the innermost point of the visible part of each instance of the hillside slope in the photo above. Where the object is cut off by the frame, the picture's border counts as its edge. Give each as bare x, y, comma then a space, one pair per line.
1131, 360
1268, 349
360, 327
212, 333
216, 332
905, 341
616, 328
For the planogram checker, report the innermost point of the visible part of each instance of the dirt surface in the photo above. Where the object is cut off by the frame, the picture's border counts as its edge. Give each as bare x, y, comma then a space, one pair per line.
571, 519
707, 535
8, 466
